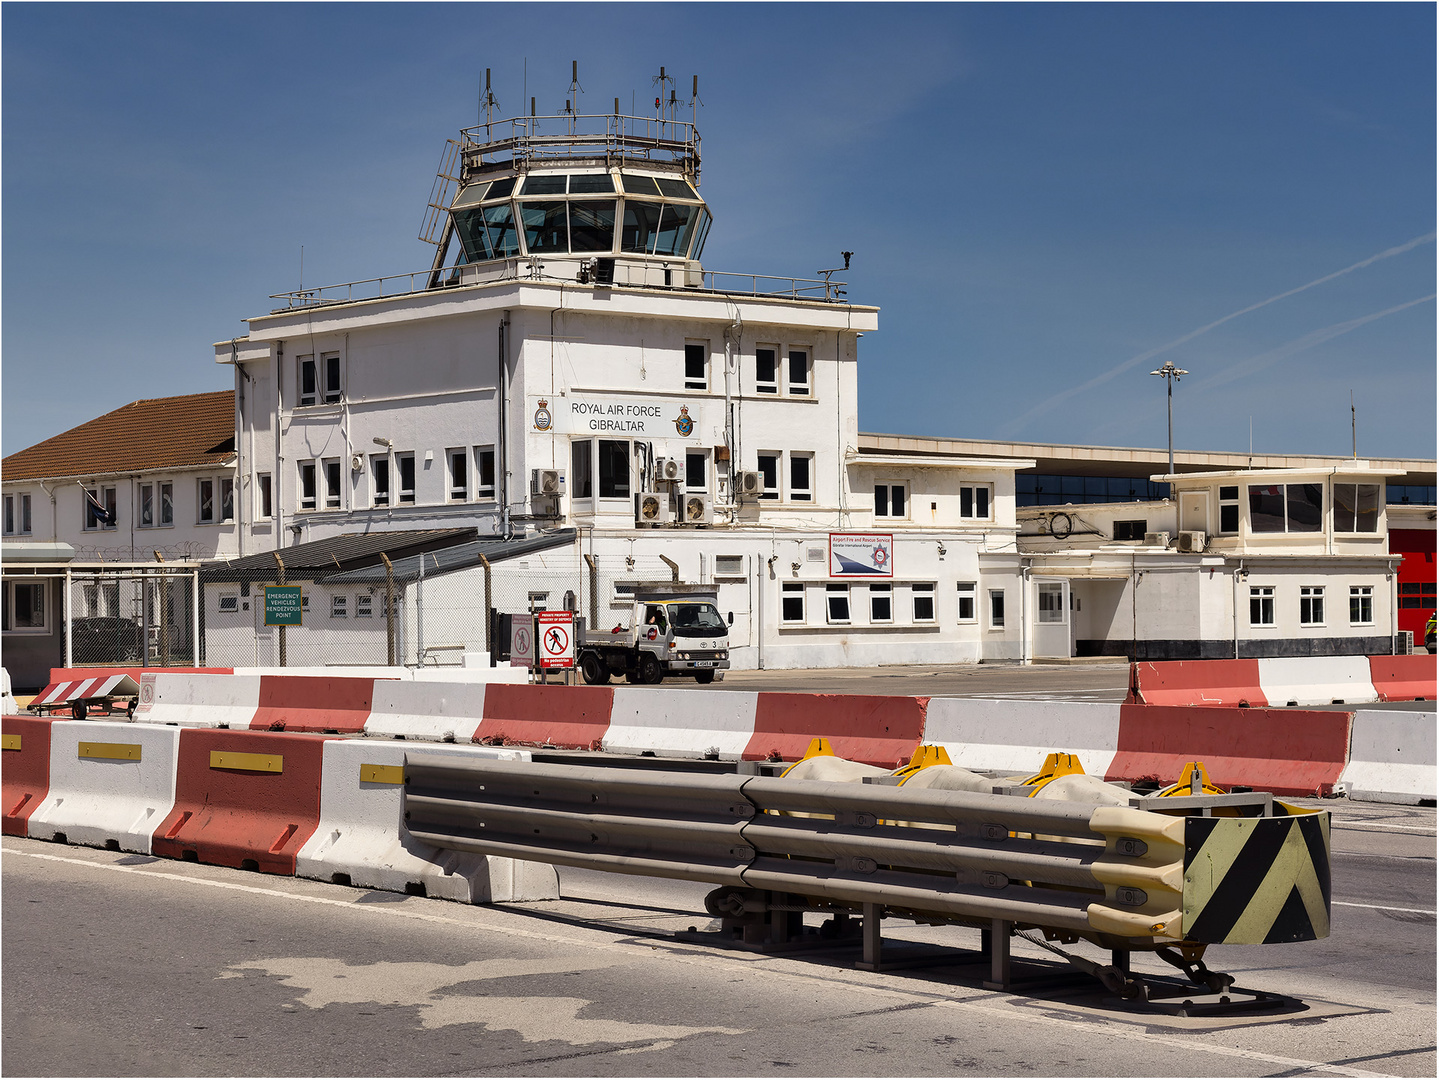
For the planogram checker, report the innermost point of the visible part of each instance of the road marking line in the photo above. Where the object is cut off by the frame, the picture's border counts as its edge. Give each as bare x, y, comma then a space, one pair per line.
1367, 826
1379, 907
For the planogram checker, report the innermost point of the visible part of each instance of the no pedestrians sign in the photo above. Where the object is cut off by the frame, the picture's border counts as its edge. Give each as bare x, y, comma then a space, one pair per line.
557, 639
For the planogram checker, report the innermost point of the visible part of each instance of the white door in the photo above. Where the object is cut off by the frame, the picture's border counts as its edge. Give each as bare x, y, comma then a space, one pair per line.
1194, 511
1051, 618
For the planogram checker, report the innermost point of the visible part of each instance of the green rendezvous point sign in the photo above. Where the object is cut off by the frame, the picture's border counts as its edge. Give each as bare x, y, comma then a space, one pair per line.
282, 605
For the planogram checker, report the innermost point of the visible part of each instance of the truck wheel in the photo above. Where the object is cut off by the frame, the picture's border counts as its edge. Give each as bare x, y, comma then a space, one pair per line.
594, 670
650, 670
703, 677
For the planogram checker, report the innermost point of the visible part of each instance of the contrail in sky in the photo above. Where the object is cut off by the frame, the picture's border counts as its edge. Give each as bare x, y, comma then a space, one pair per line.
1288, 349
1064, 395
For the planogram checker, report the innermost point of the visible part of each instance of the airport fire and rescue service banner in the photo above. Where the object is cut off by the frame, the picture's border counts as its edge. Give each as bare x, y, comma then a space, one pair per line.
694, 421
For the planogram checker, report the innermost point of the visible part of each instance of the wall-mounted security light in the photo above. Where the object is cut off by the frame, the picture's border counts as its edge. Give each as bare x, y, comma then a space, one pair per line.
386, 443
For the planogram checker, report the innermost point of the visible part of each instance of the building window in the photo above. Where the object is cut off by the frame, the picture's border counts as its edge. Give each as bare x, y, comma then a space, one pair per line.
167, 504
229, 601
836, 602
766, 369
147, 508
339, 606
1311, 605
227, 498
801, 466
1361, 605
307, 485
99, 508
582, 484
791, 609
364, 606
889, 500
206, 500
1356, 508
1051, 602
768, 462
996, 609
264, 505
309, 381
974, 502
1418, 594
697, 365
25, 607
881, 606
304, 601
17, 514
614, 469
485, 472
459, 467
1229, 509
380, 480
330, 371
798, 383
967, 612
406, 466
332, 483
1261, 605
923, 602
697, 471
1130, 530
1277, 508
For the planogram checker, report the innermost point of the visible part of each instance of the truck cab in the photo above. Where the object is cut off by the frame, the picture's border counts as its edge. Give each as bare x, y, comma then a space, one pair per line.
672, 631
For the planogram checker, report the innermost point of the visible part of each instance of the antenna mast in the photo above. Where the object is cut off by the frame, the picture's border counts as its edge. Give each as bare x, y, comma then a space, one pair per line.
662, 80
572, 103
488, 104
1353, 426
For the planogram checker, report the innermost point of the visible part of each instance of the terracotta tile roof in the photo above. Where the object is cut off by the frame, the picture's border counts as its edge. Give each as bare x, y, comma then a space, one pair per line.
157, 433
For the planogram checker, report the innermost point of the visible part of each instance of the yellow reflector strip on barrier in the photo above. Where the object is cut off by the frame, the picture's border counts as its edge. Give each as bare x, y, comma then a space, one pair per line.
227, 759
382, 774
110, 751
11, 742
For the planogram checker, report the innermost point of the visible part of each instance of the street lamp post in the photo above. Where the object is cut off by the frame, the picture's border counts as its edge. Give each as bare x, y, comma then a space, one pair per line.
1171, 375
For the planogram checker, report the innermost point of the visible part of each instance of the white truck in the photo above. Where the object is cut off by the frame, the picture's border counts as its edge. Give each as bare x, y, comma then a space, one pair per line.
673, 630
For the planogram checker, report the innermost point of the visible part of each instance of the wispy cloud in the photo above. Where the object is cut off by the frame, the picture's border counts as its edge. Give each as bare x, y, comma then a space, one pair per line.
1055, 400
1299, 344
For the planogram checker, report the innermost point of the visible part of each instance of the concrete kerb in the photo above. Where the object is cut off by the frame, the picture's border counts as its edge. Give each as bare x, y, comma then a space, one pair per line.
1316, 680
681, 723
111, 783
427, 711
361, 839
1391, 758
1006, 736
198, 701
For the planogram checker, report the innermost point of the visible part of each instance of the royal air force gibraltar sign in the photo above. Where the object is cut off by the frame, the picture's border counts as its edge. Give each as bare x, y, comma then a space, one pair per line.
630, 418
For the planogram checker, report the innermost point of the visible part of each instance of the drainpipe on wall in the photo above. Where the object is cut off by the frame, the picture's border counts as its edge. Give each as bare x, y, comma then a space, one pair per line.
68, 635
277, 484
241, 487
1024, 568
1239, 575
503, 403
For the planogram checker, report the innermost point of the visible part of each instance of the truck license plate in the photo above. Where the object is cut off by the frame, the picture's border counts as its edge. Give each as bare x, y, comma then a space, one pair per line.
705, 663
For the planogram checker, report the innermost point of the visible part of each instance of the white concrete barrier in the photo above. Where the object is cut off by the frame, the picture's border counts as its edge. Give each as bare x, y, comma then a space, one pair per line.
111, 783
7, 696
361, 839
681, 723
427, 711
1391, 758
1316, 680
1016, 736
191, 700
448, 673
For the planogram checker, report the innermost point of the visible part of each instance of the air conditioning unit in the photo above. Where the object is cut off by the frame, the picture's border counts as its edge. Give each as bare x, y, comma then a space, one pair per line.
1191, 541
1156, 539
751, 483
357, 462
667, 468
547, 481
1404, 642
697, 509
653, 509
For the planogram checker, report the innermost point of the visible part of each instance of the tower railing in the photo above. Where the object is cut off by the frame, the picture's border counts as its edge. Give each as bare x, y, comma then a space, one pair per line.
525, 140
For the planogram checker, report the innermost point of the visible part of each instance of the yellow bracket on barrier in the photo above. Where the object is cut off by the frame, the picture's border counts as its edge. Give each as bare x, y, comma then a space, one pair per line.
227, 759
1194, 780
382, 774
922, 758
817, 748
1055, 765
10, 742
109, 751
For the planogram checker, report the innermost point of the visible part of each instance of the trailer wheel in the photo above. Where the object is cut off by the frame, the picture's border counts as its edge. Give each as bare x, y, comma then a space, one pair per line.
650, 670
704, 677
593, 669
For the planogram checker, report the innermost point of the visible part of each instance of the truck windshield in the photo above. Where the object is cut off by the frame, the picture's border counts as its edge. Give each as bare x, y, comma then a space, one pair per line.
694, 620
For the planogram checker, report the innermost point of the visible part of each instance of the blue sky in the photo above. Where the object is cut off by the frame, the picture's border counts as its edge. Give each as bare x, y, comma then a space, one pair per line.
1045, 201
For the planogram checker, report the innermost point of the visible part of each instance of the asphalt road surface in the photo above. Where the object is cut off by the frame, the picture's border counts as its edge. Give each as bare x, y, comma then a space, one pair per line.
123, 965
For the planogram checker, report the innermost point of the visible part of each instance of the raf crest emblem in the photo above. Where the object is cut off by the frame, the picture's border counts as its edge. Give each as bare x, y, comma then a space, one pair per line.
684, 423
543, 420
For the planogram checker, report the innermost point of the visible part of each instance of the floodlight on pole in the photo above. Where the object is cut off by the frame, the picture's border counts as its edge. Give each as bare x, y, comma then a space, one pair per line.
1171, 375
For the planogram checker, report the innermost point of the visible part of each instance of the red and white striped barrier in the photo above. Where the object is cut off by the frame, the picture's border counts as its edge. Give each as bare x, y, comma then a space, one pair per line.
83, 687
1283, 681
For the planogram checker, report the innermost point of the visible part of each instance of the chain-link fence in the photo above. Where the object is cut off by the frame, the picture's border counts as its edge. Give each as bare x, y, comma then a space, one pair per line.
412, 618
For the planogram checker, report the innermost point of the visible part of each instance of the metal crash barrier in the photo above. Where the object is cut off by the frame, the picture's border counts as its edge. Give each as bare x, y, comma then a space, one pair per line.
1216, 868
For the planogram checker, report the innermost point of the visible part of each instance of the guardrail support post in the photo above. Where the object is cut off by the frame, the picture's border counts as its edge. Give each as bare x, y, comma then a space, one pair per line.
872, 939
995, 943
1119, 959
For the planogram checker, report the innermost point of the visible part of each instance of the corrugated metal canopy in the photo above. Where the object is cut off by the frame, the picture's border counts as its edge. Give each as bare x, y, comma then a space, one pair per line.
351, 551
464, 556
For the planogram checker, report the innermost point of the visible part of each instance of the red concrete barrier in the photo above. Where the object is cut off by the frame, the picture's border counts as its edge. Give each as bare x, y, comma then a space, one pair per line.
1403, 678
567, 717
24, 771
880, 731
246, 799
313, 703
1196, 682
1288, 752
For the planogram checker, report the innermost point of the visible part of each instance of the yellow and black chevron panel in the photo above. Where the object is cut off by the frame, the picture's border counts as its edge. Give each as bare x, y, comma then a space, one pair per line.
1256, 881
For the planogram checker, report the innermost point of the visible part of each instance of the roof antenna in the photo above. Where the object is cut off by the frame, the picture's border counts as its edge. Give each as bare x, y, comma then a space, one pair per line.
695, 100
661, 80
572, 103
1353, 425
488, 102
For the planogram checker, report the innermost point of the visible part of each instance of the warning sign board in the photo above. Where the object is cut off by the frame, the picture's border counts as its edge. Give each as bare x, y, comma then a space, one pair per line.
557, 639
522, 641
